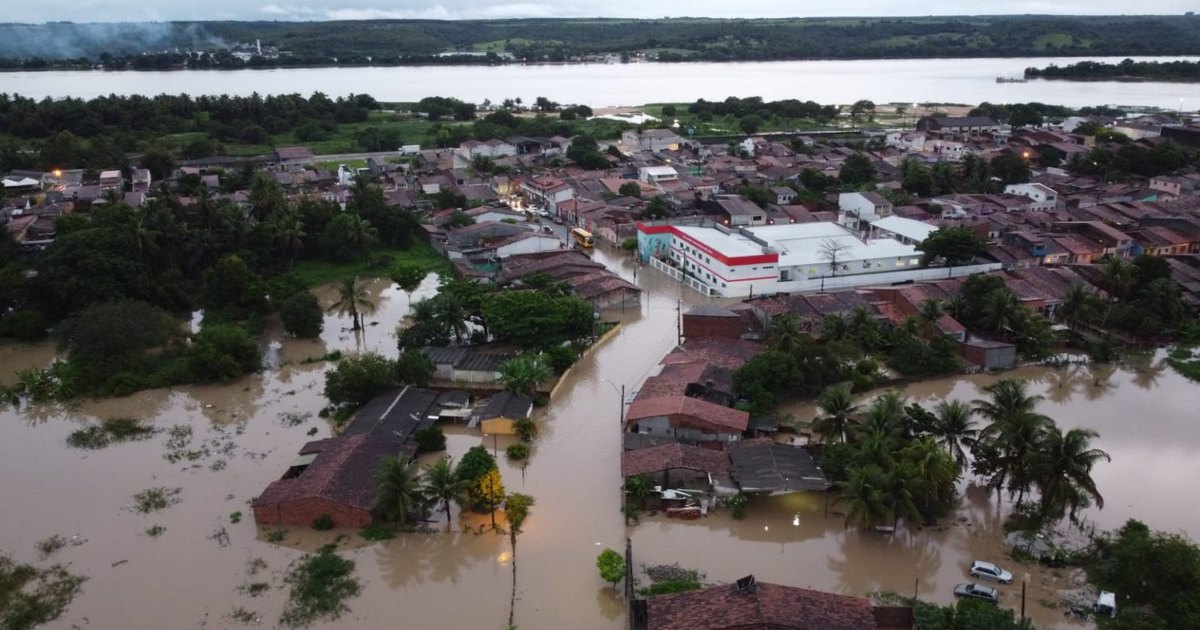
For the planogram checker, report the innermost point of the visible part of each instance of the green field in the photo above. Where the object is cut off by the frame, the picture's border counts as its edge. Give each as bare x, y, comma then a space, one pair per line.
318, 272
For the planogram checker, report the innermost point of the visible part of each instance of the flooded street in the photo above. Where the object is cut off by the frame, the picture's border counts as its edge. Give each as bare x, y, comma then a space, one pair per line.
245, 434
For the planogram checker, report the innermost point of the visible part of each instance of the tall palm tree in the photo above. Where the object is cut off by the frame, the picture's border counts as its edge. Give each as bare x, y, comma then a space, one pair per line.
954, 429
452, 313
935, 471
1117, 278
1001, 311
287, 231
1078, 305
1062, 467
900, 488
834, 328
398, 490
442, 485
353, 299
885, 415
837, 408
522, 374
931, 310
1014, 432
863, 496
784, 333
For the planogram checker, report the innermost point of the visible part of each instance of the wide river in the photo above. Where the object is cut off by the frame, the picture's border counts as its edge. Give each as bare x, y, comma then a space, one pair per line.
968, 81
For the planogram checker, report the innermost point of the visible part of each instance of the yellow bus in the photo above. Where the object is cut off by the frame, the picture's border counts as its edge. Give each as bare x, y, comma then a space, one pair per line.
582, 237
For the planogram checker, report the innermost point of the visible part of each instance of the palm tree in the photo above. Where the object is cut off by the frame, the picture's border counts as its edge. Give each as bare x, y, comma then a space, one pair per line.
522, 374
442, 485
352, 300
935, 471
1062, 467
1117, 278
1014, 432
900, 487
838, 408
862, 494
398, 491
1078, 305
834, 328
452, 314
885, 415
931, 310
954, 429
1001, 311
784, 334
287, 230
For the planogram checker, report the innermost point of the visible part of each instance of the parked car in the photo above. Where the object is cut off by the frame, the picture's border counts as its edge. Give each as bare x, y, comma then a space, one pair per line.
977, 591
989, 571
545, 214
1106, 604
547, 229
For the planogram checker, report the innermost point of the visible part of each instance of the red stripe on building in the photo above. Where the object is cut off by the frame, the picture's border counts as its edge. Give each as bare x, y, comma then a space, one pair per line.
730, 261
700, 264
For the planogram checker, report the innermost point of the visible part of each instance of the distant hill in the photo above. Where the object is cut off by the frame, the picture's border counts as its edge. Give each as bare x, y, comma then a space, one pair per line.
668, 39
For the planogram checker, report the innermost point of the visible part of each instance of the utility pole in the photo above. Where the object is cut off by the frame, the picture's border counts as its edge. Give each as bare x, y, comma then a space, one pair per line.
679, 322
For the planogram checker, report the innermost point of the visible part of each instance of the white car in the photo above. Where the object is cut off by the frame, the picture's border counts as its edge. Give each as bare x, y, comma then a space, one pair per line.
989, 571
977, 591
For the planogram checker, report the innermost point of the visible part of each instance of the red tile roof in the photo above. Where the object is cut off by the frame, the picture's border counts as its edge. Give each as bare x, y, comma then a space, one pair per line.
765, 606
671, 456
692, 412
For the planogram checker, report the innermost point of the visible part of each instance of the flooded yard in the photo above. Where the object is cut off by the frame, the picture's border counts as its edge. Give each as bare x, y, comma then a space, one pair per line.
244, 434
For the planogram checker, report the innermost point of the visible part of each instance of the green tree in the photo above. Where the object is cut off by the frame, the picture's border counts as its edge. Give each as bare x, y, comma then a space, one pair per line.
302, 316
1010, 168
232, 291
159, 162
1154, 571
536, 319
1062, 470
106, 339
348, 237
223, 352
352, 300
750, 124
954, 428
656, 209
785, 334
522, 374
611, 566
397, 489
357, 380
951, 246
837, 413
857, 170
1078, 306
409, 278
630, 189
1013, 434
863, 496
442, 484
415, 368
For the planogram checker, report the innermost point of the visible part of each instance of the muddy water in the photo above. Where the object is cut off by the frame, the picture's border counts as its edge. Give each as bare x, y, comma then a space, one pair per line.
244, 435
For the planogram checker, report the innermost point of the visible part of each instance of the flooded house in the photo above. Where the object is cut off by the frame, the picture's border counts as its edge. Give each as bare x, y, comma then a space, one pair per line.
751, 604
334, 477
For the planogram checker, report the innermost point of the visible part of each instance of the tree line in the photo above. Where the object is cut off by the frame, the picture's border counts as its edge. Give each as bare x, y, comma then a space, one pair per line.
667, 39
1128, 69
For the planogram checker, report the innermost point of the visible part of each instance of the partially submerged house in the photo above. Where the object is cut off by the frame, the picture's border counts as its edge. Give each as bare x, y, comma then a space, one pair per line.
763, 466
676, 465
334, 477
687, 419
747, 604
500, 414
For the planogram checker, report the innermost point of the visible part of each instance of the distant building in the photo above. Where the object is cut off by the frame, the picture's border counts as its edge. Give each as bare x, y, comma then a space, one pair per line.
958, 124
651, 140
293, 156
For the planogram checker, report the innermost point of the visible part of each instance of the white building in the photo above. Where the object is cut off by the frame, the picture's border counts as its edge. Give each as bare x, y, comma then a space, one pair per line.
1044, 197
785, 258
905, 230
494, 148
656, 174
547, 191
651, 140
862, 207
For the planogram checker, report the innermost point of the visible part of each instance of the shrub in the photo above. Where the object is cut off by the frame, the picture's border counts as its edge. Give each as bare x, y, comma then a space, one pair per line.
320, 584
526, 428
517, 452
323, 523
430, 439
356, 380
611, 566
737, 503
561, 358
302, 316
629, 244
222, 352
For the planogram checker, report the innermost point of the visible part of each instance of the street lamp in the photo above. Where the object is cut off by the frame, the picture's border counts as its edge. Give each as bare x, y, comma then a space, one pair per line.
621, 402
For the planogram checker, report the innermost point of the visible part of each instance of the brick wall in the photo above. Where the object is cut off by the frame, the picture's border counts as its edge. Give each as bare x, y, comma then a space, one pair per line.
302, 512
698, 326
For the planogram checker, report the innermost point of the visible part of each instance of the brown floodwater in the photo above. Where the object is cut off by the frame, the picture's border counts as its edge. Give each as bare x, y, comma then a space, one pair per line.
244, 434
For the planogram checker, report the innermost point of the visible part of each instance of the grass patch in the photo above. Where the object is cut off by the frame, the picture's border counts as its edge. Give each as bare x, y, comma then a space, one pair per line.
376, 533
52, 544
30, 596
256, 566
241, 615
235, 517
155, 530
254, 589
320, 585
155, 499
317, 272
109, 431
275, 536
333, 355
670, 578
291, 420
1185, 361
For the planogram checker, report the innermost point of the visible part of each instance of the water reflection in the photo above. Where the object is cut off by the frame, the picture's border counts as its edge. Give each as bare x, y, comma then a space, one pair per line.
410, 560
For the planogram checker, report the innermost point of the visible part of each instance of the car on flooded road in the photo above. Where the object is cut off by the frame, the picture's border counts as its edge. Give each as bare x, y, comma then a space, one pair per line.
989, 571
977, 591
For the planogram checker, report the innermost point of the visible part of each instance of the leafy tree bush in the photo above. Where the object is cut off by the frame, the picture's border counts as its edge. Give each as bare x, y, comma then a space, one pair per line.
232, 291
302, 316
110, 338
517, 452
1155, 570
630, 189
357, 380
222, 352
430, 439
611, 566
414, 367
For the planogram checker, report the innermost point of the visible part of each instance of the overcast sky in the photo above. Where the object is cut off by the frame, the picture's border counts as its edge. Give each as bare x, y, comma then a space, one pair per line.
156, 10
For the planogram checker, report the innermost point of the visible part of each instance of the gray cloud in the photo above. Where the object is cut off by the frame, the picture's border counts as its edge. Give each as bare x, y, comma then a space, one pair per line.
139, 10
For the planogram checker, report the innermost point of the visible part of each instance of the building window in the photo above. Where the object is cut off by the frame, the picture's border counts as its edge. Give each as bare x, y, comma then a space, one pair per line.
900, 263
914, 261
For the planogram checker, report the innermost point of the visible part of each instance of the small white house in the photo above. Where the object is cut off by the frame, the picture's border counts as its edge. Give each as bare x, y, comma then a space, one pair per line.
1044, 198
656, 174
862, 207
